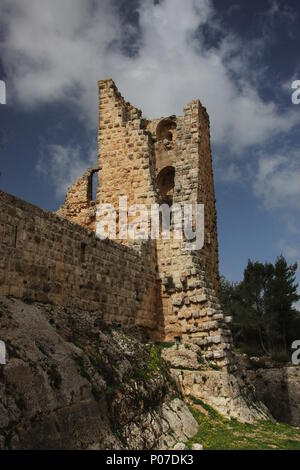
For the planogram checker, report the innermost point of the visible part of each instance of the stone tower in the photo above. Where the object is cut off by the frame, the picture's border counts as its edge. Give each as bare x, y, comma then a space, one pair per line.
161, 161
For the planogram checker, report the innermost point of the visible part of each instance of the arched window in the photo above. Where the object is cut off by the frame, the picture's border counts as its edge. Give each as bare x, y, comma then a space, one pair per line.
166, 130
165, 183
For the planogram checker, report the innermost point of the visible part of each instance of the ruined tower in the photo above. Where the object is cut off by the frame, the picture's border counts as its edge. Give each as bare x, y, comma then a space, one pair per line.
166, 160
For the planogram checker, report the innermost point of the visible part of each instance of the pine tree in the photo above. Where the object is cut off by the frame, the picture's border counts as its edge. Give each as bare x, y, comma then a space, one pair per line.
280, 295
262, 305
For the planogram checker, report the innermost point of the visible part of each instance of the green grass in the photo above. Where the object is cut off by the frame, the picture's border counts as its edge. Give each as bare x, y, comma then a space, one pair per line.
154, 365
218, 433
164, 345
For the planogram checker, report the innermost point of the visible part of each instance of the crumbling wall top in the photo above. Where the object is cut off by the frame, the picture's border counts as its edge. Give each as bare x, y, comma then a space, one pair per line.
119, 109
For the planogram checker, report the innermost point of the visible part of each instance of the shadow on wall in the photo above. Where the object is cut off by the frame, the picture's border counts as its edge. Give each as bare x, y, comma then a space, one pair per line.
166, 183
166, 129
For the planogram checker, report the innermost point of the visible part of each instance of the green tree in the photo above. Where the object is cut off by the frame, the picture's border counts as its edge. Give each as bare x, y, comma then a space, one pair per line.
264, 319
280, 296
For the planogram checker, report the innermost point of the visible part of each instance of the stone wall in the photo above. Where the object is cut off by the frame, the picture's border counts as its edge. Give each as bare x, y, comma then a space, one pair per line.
191, 309
132, 154
79, 205
125, 151
206, 195
48, 259
165, 160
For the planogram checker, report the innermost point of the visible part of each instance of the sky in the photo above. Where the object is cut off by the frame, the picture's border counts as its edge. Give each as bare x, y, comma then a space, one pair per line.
239, 58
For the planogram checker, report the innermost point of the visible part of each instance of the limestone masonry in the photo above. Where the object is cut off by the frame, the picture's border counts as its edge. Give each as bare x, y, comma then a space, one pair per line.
156, 286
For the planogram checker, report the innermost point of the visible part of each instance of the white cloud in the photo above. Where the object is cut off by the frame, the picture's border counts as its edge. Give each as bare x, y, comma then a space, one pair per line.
278, 180
58, 49
290, 251
63, 164
228, 173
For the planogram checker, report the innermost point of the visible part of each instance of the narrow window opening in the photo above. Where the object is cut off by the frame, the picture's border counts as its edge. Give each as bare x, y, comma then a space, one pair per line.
15, 236
92, 186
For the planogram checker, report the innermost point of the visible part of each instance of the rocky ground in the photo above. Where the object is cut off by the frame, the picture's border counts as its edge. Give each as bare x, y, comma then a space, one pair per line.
217, 432
276, 384
71, 383
226, 392
259, 388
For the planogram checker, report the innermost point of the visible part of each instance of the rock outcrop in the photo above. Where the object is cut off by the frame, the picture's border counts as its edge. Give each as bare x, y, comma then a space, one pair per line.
277, 385
70, 382
227, 392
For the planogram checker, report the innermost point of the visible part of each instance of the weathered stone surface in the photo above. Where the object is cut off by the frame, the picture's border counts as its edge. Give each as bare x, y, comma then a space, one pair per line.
277, 386
48, 259
166, 160
67, 383
279, 390
180, 446
70, 385
197, 447
228, 394
79, 205
177, 414
184, 356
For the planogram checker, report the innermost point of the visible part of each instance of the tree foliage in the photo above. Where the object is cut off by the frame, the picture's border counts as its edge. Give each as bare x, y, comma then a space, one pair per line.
265, 320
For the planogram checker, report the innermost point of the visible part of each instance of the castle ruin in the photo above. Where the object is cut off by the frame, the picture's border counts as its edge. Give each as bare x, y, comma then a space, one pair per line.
166, 160
166, 292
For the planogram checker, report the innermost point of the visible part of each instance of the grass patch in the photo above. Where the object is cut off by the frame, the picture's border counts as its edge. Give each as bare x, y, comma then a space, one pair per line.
219, 433
154, 365
200, 358
164, 345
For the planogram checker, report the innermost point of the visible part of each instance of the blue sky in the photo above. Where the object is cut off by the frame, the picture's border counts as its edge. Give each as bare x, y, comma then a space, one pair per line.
239, 58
